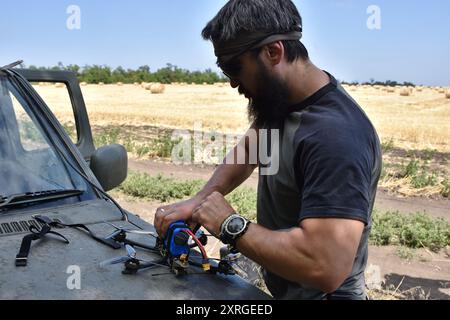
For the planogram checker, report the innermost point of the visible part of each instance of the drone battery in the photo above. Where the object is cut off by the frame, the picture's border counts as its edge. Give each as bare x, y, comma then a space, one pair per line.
176, 241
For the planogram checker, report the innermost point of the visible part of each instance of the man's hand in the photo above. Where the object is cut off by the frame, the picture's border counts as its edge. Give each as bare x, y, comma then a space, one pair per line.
166, 215
212, 212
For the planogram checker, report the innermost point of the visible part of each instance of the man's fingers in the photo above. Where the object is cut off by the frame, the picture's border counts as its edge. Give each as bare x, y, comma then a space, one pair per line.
160, 217
167, 221
196, 217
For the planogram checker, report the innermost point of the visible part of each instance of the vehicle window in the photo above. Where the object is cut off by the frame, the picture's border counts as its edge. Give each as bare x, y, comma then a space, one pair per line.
56, 96
31, 138
29, 161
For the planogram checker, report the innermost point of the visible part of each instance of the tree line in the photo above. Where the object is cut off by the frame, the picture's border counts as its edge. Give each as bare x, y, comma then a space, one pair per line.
387, 83
170, 73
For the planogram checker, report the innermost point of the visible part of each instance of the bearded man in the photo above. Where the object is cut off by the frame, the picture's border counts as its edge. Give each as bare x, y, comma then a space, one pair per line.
314, 212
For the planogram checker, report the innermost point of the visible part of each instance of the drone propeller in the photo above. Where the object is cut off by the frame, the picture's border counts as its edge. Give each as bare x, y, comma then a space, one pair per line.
130, 251
131, 254
112, 261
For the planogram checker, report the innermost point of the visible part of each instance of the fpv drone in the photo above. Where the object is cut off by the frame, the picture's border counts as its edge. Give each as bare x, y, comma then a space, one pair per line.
175, 252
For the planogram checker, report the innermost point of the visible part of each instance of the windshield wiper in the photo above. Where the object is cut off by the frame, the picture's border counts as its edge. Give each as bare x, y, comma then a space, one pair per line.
25, 198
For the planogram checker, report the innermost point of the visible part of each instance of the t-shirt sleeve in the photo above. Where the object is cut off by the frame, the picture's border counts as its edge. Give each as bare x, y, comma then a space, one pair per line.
333, 171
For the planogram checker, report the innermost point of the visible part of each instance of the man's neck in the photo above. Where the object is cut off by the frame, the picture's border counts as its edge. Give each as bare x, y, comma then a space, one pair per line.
304, 79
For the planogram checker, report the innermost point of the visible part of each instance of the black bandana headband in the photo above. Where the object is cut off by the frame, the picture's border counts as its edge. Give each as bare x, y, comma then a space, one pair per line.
225, 51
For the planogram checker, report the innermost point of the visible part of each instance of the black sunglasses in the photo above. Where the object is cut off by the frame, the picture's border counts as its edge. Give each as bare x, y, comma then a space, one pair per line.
232, 68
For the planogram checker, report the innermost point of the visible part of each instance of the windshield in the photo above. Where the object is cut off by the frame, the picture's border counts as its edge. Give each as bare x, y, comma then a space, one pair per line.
29, 162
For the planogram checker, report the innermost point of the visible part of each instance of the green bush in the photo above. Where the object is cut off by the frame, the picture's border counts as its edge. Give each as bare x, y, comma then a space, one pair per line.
163, 146
419, 174
107, 137
411, 230
445, 190
159, 188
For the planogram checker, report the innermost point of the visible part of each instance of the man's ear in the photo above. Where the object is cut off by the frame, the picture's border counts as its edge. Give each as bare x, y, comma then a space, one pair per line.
274, 52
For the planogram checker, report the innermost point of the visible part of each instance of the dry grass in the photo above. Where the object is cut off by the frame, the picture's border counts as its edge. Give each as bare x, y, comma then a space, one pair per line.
418, 121
391, 90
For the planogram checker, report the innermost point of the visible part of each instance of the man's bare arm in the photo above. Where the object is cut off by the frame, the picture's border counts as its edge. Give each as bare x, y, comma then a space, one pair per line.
225, 179
320, 253
230, 175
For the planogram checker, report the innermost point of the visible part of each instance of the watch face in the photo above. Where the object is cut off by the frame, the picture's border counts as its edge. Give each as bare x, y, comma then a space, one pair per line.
235, 225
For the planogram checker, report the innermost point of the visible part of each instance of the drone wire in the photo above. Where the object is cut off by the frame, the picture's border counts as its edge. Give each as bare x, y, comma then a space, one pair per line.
197, 241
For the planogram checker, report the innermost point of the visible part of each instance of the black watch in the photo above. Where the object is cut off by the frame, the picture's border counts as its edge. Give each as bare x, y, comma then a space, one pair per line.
233, 228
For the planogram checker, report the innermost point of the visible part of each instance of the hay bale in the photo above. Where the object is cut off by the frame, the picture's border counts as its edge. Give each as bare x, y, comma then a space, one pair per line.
60, 85
101, 84
157, 88
391, 89
83, 84
447, 94
405, 92
120, 84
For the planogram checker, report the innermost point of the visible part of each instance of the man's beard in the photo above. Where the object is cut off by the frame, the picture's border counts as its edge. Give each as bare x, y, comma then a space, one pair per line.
270, 104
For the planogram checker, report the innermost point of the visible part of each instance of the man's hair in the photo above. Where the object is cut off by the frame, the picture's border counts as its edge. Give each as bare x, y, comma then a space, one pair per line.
278, 16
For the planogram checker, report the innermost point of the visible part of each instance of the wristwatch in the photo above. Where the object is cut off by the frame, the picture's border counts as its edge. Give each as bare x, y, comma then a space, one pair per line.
233, 228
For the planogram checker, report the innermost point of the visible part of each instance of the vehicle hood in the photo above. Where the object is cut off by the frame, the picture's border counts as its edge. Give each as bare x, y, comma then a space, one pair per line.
52, 264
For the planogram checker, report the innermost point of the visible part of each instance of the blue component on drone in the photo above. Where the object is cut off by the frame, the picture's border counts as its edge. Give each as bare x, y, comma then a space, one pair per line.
176, 241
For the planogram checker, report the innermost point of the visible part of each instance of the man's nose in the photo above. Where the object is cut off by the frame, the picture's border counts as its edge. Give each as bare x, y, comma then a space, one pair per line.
234, 83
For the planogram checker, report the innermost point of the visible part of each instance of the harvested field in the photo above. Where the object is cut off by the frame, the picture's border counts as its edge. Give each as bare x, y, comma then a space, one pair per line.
416, 122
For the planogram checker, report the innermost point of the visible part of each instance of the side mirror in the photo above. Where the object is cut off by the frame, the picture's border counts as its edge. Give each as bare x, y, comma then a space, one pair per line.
110, 165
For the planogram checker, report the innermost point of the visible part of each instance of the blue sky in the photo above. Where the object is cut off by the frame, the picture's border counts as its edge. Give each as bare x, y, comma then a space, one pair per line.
413, 43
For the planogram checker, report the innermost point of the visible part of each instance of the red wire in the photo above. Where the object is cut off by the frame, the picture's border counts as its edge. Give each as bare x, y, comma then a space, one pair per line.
198, 243
189, 232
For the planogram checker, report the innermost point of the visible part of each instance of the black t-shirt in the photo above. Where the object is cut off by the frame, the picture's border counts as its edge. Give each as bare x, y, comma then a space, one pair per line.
328, 162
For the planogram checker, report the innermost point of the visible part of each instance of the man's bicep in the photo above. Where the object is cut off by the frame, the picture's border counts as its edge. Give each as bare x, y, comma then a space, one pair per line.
336, 240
